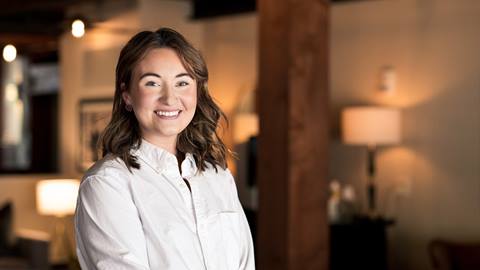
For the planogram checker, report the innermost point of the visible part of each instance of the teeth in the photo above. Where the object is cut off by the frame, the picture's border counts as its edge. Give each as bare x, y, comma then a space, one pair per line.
163, 113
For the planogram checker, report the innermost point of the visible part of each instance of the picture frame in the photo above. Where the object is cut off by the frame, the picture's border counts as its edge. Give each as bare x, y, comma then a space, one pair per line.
94, 115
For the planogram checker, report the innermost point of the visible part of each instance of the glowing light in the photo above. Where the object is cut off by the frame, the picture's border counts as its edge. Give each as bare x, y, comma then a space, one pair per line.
9, 53
11, 92
371, 125
245, 126
78, 28
57, 196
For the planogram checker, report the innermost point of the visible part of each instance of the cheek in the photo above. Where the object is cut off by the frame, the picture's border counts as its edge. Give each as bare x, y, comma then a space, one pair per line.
194, 97
143, 99
190, 99
193, 101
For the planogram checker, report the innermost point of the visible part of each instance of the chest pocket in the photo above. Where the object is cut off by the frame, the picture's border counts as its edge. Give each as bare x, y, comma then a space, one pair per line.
226, 232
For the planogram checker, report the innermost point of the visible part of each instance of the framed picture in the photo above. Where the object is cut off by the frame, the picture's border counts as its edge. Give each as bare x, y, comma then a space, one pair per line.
94, 116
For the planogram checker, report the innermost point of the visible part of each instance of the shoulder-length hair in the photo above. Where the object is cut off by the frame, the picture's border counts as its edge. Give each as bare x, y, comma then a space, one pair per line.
199, 138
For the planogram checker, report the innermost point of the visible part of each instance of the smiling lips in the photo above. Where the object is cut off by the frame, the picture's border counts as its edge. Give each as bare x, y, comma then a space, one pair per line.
167, 114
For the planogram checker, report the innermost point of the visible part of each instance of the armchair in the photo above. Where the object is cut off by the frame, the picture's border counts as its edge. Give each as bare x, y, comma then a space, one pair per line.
446, 255
27, 251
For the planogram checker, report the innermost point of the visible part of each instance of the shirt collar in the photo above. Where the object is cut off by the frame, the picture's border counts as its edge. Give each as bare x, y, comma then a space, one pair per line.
162, 161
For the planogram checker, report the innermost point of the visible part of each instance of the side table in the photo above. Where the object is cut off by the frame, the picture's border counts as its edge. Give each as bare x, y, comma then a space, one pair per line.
361, 244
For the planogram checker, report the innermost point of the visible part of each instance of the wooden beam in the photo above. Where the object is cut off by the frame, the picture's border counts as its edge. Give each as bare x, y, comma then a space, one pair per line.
33, 45
15, 7
27, 38
293, 140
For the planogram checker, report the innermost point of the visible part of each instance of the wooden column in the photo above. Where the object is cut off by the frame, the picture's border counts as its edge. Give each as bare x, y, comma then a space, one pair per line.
293, 140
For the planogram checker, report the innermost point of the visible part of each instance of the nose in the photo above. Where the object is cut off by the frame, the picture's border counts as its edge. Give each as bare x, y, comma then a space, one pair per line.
169, 97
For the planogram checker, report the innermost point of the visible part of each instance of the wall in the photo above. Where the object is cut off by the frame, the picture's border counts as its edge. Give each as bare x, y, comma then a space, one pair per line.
430, 183
87, 67
231, 54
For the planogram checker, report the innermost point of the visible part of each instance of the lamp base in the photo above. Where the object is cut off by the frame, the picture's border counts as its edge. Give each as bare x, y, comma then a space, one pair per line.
371, 188
371, 191
61, 251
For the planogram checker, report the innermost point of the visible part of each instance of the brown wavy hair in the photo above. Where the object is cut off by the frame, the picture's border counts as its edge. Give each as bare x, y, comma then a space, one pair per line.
199, 138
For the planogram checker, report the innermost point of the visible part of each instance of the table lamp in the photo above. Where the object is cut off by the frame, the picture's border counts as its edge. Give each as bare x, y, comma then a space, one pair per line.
58, 197
371, 126
245, 126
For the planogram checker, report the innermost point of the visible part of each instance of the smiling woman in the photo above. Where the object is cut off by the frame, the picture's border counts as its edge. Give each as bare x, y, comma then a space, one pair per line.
161, 197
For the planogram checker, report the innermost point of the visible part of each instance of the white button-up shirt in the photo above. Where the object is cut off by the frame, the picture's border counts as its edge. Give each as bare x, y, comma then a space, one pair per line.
149, 219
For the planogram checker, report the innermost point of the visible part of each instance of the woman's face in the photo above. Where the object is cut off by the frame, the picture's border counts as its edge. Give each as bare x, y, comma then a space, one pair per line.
163, 96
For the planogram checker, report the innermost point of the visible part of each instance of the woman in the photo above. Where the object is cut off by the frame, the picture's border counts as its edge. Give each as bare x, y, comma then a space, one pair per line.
161, 197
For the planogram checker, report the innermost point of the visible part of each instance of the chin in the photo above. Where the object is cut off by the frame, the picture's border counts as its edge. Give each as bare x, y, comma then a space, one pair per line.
169, 132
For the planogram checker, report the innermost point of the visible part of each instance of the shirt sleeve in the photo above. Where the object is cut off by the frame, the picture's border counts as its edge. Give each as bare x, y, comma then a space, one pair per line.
247, 261
108, 229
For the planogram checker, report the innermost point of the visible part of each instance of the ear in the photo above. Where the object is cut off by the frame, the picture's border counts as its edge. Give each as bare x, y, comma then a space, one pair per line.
126, 95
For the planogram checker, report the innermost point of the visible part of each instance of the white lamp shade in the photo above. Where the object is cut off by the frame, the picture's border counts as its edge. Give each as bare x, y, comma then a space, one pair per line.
245, 126
371, 125
57, 197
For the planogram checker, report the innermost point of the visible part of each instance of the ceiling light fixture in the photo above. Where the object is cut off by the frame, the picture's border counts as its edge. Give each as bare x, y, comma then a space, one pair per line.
9, 53
78, 28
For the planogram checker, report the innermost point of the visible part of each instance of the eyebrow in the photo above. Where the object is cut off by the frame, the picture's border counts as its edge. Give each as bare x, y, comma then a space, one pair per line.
149, 74
158, 76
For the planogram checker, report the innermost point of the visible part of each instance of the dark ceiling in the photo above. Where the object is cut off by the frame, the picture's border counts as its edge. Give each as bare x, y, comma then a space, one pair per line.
35, 25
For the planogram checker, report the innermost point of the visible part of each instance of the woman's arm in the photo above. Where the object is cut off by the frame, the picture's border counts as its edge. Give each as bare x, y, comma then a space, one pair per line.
108, 229
247, 260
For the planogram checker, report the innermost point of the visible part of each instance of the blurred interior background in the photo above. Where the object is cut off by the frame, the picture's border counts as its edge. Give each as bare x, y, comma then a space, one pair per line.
403, 182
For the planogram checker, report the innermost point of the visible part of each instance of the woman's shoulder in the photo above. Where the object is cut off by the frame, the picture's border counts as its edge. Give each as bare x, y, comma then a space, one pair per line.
219, 175
109, 168
217, 170
107, 180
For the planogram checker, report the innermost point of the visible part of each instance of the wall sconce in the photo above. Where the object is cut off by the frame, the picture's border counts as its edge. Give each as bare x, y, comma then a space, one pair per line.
387, 80
371, 126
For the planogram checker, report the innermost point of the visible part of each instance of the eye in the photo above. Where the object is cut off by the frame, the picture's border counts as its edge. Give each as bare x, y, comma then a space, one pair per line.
152, 83
182, 83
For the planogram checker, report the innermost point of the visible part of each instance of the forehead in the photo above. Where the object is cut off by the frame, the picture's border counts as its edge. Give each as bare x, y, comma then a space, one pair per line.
160, 60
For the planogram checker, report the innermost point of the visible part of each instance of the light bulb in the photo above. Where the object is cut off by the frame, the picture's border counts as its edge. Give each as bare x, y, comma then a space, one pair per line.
9, 53
78, 28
